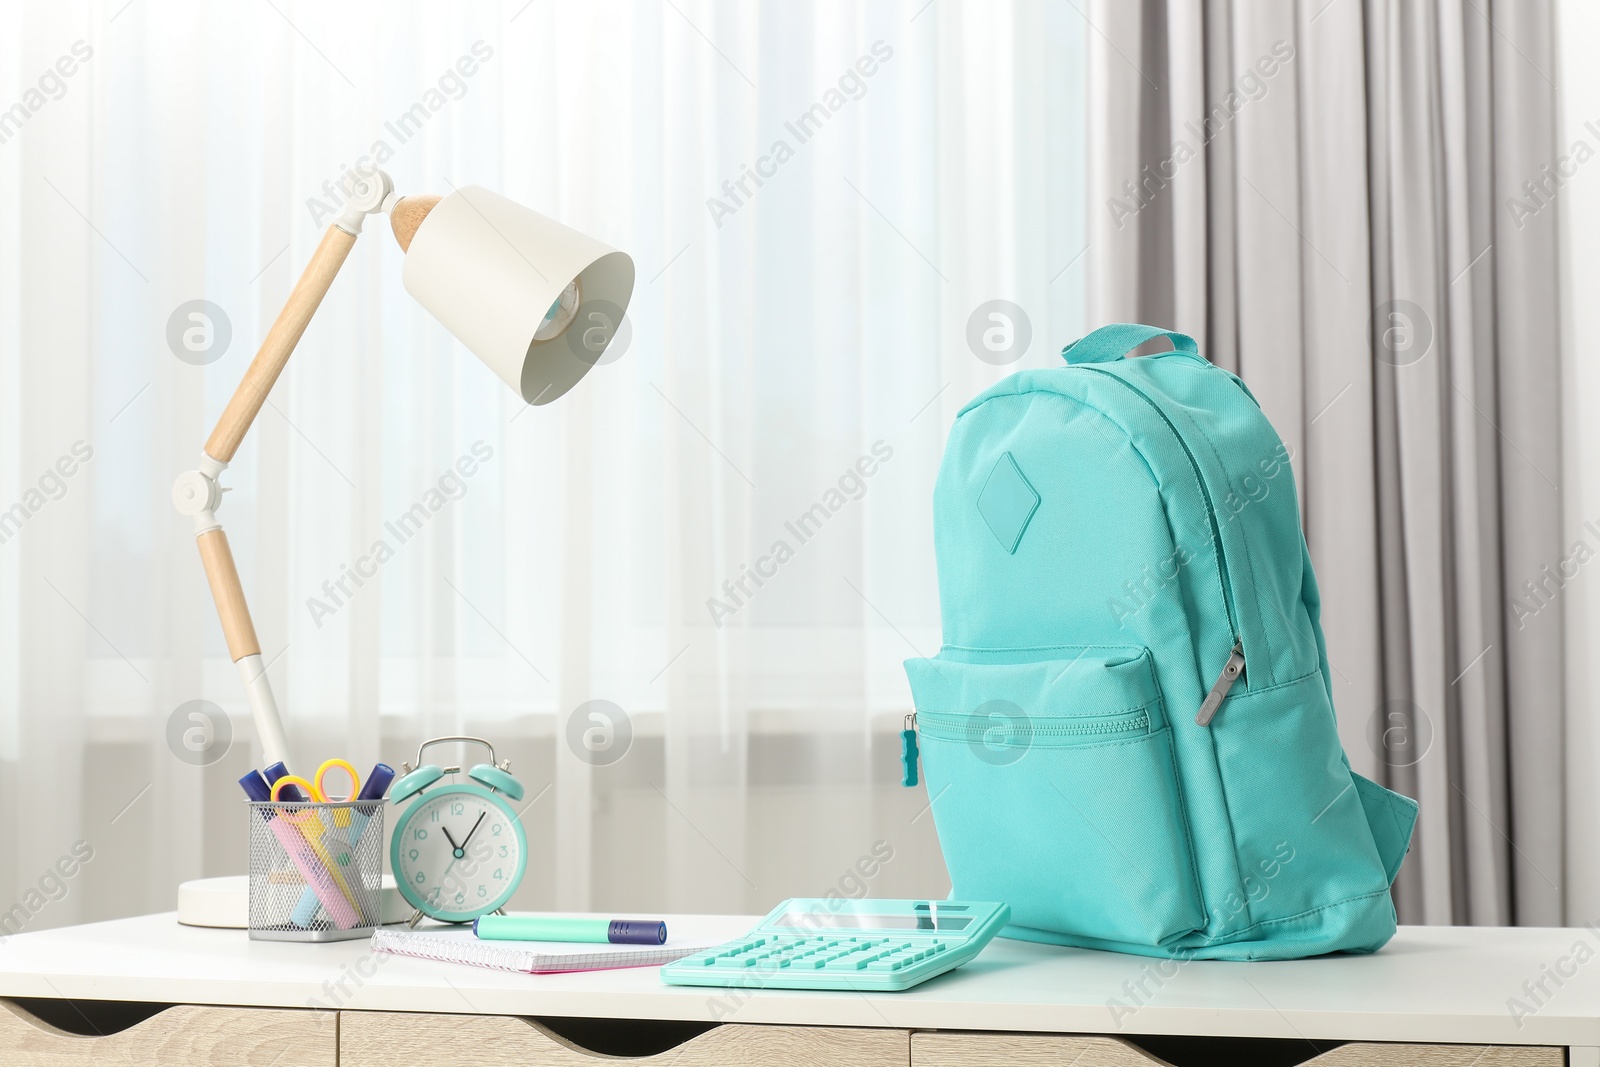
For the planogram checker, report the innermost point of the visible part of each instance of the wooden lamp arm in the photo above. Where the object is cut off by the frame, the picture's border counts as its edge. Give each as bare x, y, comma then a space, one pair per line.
197, 494
279, 343
228, 593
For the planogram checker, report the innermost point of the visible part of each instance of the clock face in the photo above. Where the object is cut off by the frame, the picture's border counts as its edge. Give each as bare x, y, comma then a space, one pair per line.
458, 852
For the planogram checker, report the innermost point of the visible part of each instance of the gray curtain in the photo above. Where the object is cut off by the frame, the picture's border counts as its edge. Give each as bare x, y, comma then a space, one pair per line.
1333, 197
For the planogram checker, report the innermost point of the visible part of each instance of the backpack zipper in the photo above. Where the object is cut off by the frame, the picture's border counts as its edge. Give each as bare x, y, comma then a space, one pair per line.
954, 726
1235, 665
908, 752
1219, 688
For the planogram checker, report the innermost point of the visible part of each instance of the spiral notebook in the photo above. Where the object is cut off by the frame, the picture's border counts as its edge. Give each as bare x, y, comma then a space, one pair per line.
458, 944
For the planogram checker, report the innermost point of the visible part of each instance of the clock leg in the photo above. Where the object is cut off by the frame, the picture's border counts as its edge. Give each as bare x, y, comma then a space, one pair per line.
416, 917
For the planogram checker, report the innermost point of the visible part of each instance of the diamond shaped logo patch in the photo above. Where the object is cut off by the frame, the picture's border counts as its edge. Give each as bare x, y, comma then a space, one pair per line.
1007, 502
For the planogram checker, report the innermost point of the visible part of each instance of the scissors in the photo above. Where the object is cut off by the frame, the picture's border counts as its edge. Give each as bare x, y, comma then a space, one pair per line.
341, 816
309, 823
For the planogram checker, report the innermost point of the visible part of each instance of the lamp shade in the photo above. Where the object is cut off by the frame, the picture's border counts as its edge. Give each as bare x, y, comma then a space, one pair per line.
497, 274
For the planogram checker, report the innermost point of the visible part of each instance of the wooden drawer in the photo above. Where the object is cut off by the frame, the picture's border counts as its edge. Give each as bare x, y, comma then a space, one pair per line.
187, 1035
370, 1039
950, 1048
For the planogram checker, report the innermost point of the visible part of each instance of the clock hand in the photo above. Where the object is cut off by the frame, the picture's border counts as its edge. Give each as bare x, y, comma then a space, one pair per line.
458, 850
472, 831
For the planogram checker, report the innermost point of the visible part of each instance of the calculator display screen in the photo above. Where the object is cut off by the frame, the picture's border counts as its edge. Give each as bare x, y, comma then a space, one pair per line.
822, 920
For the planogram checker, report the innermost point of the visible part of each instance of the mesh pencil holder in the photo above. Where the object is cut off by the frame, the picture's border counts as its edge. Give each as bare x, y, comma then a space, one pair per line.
316, 870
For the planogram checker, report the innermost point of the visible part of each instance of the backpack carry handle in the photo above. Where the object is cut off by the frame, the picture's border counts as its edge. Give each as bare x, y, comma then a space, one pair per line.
1111, 343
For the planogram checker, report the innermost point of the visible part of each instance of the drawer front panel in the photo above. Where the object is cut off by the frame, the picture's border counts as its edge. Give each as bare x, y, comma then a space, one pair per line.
370, 1039
954, 1049
187, 1035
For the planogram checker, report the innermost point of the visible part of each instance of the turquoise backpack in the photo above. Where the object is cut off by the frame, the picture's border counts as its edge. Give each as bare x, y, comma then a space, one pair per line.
1128, 735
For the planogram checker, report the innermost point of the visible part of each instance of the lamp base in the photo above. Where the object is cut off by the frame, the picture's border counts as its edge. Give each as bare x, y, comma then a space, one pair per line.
224, 903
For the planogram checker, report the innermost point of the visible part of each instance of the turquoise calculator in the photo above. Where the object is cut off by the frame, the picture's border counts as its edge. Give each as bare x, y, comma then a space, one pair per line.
857, 945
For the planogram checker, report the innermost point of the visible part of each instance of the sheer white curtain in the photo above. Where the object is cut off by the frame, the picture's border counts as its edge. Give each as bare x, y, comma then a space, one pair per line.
724, 532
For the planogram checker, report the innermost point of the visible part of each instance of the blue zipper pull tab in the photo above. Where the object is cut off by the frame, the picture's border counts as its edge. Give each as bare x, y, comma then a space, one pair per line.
1219, 688
908, 752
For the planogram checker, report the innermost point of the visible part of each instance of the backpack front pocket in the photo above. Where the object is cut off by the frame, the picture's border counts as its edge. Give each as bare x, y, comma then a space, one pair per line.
1054, 789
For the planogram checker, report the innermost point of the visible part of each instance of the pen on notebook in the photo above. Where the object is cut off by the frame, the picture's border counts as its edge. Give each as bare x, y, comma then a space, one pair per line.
570, 928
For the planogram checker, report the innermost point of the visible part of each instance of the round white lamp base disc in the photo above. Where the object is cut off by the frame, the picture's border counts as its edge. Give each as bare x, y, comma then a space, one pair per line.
224, 903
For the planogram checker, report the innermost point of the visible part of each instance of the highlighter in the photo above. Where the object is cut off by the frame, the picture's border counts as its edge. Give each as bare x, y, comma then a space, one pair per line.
582, 928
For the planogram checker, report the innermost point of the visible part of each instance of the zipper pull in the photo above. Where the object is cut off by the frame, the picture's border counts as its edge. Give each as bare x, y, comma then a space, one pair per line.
908, 752
1219, 688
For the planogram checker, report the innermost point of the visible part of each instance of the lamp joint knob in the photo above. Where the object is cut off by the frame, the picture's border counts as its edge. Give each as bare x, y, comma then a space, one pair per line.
195, 493
366, 189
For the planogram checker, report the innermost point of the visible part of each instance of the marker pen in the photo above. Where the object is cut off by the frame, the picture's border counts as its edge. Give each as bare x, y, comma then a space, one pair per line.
583, 928
289, 793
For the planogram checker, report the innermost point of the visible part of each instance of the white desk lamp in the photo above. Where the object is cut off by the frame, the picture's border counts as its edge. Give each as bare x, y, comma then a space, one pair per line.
506, 281
534, 300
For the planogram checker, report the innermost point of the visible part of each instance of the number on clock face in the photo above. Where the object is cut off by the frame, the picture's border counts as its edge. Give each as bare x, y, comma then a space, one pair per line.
458, 854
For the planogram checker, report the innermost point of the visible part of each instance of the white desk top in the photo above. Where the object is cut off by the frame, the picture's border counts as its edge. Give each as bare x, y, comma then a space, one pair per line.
1431, 984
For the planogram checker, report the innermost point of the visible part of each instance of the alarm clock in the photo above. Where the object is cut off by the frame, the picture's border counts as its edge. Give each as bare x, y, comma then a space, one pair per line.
458, 852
